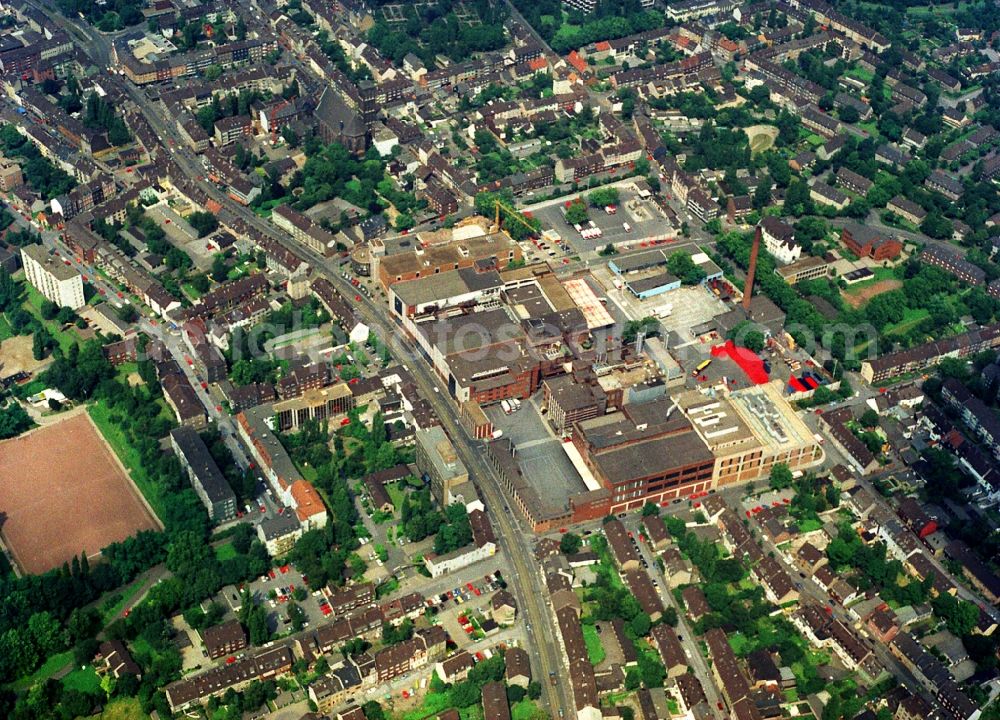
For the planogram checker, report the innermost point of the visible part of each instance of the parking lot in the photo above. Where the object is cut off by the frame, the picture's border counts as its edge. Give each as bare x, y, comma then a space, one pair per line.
277, 589
644, 217
688, 306
539, 452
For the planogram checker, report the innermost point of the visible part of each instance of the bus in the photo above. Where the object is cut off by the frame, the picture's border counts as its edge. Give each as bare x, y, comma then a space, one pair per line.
701, 366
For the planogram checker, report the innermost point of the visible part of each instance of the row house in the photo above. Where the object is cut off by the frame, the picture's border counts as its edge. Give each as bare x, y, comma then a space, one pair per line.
948, 185
304, 230
953, 263
852, 181
424, 647
928, 354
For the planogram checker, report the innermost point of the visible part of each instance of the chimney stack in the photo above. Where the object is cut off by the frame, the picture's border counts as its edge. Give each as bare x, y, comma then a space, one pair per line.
748, 288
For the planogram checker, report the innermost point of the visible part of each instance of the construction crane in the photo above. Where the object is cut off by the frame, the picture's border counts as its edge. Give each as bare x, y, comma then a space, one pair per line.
512, 214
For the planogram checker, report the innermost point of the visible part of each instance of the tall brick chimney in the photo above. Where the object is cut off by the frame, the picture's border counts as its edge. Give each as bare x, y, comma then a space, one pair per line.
748, 288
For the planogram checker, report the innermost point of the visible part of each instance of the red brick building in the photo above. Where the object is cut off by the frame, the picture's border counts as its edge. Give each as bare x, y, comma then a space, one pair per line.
866, 242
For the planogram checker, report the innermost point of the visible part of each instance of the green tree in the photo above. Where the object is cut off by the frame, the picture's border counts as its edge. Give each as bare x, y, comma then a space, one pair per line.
869, 418
576, 213
682, 266
603, 197
203, 222
219, 270
781, 477
570, 544
640, 624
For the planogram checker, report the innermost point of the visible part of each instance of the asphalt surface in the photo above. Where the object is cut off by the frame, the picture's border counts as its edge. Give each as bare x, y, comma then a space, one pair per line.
527, 581
527, 584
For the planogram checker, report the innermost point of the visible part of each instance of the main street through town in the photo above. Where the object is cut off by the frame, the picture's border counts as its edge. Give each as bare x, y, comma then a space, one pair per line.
528, 583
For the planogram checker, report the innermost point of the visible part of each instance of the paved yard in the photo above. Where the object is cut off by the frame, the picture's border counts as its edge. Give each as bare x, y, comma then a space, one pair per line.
540, 452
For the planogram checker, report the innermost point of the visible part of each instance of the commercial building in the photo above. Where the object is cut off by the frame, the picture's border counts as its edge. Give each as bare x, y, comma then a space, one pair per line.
206, 478
646, 452
319, 404
569, 401
59, 283
807, 268
467, 247
645, 273
438, 461
749, 431
673, 447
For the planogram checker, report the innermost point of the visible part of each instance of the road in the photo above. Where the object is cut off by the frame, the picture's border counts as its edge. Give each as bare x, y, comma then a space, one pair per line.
809, 590
684, 629
527, 582
516, 15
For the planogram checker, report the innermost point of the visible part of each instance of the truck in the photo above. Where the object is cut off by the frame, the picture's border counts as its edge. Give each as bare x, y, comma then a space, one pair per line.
505, 404
628, 228
701, 366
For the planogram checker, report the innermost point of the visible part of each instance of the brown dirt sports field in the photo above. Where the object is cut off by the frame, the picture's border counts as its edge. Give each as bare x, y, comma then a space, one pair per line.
860, 297
63, 492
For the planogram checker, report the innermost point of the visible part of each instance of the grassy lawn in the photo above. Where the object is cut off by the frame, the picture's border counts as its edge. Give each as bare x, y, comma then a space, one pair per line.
308, 472
396, 494
225, 551
34, 306
190, 290
527, 710
47, 670
433, 704
870, 127
100, 413
121, 709
911, 316
595, 651
924, 12
6, 331
861, 74
881, 273
739, 643
815, 140
83, 679
810, 525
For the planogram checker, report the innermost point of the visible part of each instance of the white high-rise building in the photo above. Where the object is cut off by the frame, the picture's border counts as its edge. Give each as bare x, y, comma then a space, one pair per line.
58, 282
